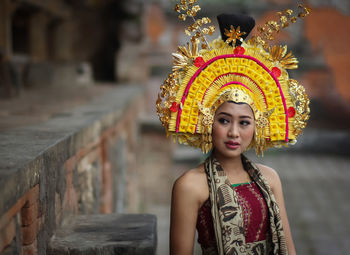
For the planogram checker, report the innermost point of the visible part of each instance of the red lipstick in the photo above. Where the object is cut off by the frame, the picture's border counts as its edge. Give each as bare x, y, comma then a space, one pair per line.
232, 145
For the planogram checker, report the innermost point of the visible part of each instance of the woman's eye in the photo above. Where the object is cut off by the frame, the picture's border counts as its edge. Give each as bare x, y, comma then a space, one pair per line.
245, 123
223, 121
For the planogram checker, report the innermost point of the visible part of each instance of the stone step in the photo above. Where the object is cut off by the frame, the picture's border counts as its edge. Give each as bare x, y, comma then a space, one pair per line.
106, 234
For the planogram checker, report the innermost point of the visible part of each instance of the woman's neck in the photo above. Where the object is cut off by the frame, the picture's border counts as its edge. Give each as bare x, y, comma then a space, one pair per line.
232, 165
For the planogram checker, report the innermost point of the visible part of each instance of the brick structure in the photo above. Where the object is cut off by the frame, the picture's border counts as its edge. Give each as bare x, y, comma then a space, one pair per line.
331, 39
79, 163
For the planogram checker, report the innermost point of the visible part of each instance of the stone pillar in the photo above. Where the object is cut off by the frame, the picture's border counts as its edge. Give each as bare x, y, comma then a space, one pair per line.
5, 26
38, 36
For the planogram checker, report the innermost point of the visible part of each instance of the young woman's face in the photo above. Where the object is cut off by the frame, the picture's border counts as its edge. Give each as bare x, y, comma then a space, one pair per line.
233, 129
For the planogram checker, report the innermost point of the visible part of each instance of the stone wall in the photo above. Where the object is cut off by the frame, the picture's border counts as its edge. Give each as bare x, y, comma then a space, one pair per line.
41, 40
79, 162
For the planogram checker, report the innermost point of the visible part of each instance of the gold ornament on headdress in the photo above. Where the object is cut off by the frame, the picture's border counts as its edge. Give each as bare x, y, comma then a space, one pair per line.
184, 55
279, 53
270, 28
233, 35
188, 9
206, 74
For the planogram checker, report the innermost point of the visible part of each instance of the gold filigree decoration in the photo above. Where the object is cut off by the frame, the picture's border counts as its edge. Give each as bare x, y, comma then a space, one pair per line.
166, 97
208, 117
233, 34
261, 123
279, 53
301, 102
218, 43
185, 55
305, 10
207, 122
189, 9
270, 28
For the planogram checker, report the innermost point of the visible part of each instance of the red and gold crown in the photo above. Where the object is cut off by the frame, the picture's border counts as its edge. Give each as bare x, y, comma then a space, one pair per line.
251, 72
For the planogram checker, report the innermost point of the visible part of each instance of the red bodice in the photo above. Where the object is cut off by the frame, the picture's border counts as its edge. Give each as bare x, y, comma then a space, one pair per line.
255, 216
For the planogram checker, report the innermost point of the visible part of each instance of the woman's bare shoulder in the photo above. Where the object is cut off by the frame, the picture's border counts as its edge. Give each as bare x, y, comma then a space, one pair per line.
193, 183
192, 179
270, 175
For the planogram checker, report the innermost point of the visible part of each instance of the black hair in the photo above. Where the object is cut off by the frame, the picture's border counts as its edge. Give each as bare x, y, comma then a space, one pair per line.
230, 101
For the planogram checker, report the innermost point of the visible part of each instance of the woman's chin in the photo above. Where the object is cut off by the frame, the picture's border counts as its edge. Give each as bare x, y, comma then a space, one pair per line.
228, 153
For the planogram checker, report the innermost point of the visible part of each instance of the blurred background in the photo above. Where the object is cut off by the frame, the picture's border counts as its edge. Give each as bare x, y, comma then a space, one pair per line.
59, 54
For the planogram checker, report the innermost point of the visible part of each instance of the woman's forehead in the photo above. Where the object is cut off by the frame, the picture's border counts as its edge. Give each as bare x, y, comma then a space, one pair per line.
235, 109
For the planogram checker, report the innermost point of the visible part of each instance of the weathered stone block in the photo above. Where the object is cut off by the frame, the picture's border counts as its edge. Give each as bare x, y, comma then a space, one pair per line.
31, 249
32, 196
11, 237
7, 234
106, 234
29, 233
29, 214
119, 170
89, 183
50, 171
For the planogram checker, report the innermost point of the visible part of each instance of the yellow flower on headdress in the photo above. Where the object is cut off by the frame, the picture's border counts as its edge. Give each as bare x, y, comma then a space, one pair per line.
233, 34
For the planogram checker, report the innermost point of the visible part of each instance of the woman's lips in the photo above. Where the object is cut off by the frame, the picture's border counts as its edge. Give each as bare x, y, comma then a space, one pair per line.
232, 145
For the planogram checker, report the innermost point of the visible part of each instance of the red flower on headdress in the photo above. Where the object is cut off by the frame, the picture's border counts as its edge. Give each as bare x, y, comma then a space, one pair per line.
199, 61
174, 107
276, 71
239, 50
291, 112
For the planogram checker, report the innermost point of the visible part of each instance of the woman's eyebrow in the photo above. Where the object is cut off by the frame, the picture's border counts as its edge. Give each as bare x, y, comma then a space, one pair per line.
225, 113
245, 117
242, 116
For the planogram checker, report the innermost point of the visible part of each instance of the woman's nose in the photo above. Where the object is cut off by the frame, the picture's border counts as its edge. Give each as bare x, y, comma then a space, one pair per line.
233, 131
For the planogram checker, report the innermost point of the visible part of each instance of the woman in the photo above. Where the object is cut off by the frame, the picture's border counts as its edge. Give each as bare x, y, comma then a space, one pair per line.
233, 131
231, 96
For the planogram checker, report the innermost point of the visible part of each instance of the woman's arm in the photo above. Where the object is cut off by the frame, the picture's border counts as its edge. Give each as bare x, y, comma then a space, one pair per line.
275, 183
185, 203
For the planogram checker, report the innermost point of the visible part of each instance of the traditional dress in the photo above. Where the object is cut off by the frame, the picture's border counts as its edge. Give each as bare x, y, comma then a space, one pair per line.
239, 219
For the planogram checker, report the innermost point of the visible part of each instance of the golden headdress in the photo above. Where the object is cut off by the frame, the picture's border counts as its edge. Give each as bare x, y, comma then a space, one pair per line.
232, 69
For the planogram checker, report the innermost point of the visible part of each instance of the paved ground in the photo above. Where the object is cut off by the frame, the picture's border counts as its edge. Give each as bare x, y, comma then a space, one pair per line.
316, 190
